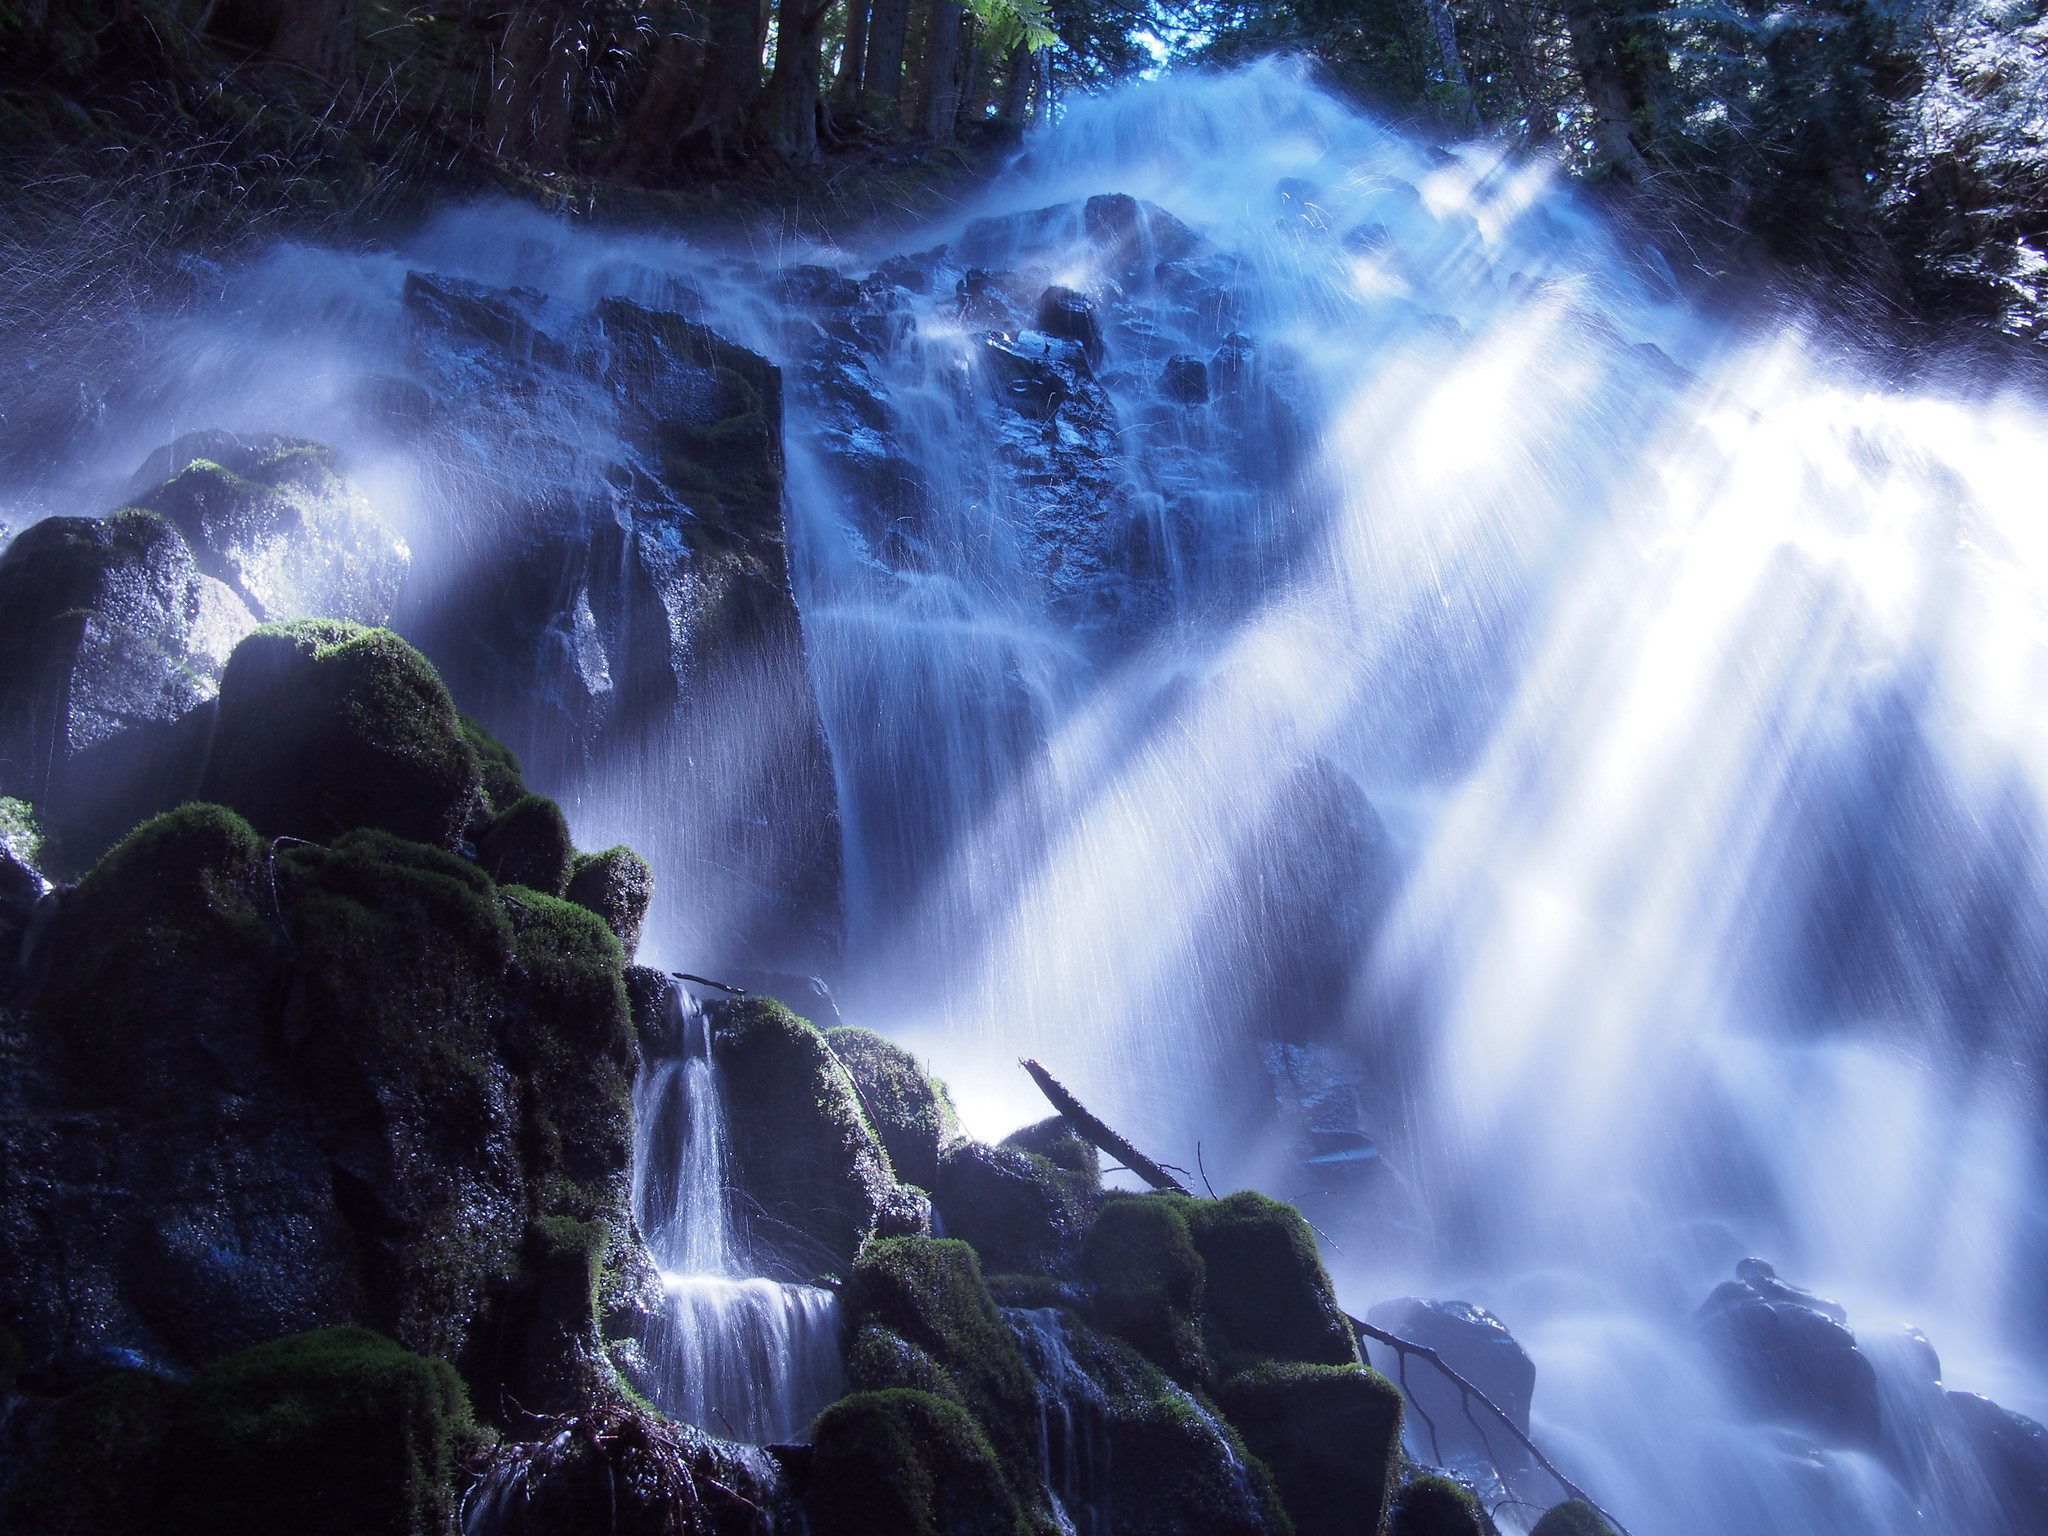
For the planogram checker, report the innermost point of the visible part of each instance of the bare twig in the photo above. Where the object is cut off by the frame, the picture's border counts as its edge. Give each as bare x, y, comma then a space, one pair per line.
1099, 1134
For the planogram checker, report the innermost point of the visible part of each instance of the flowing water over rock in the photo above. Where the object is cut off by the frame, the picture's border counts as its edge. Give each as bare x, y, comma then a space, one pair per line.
1318, 646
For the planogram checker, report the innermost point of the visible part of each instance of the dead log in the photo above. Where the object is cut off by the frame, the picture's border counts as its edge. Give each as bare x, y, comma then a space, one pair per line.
1098, 1134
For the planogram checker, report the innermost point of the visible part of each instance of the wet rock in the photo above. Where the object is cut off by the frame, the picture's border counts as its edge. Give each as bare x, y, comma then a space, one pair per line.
1023, 1213
618, 885
1436, 1506
1479, 1347
1149, 1282
912, 1114
812, 1177
1331, 1435
274, 520
2012, 1451
1070, 315
905, 1463
1790, 1356
1574, 1517
324, 727
1185, 380
528, 844
1267, 1293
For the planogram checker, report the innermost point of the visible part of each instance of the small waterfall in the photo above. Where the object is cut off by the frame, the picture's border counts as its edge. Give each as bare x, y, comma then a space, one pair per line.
735, 1355
1073, 1450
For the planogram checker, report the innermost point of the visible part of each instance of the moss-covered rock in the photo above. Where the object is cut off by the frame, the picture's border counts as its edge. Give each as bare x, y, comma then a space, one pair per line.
1331, 1436
497, 765
929, 1292
815, 1178
1267, 1291
98, 1456
1149, 1281
336, 1433
1430, 1505
528, 844
880, 1358
1023, 1213
906, 1463
1575, 1517
910, 1112
326, 726
618, 885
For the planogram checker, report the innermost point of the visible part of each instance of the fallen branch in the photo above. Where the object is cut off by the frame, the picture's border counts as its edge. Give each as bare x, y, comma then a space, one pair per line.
1098, 1134
1468, 1393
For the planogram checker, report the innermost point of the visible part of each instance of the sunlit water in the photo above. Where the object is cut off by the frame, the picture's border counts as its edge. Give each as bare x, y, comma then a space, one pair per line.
1695, 682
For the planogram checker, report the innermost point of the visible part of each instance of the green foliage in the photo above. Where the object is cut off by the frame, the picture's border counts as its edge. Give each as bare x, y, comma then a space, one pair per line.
911, 1113
1010, 22
337, 1433
326, 726
618, 885
906, 1463
528, 844
1436, 1506
1330, 1435
103, 1451
1574, 1518
929, 1292
1148, 1278
21, 836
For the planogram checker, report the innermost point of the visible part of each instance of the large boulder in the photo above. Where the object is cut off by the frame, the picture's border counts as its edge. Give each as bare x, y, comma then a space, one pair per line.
328, 726
1330, 1434
813, 1178
1431, 1505
912, 1114
1023, 1212
1267, 1293
1479, 1347
1148, 1282
900, 1462
1789, 1357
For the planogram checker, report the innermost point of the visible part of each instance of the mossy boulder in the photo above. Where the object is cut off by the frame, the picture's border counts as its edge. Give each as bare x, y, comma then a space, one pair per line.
910, 1112
813, 1173
1267, 1291
1023, 1213
1149, 1281
1330, 1435
325, 727
930, 1293
1575, 1517
1430, 1505
497, 765
528, 844
906, 1463
92, 1464
618, 885
334, 1433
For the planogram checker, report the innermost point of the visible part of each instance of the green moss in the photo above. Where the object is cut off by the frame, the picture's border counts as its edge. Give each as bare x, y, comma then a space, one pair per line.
906, 1463
930, 1293
1574, 1518
1436, 1506
618, 885
171, 928
528, 844
103, 1453
1061, 1145
1021, 1211
336, 1433
881, 1358
400, 953
1331, 1436
912, 1115
499, 767
326, 726
1268, 1293
21, 835
1149, 1280
571, 1031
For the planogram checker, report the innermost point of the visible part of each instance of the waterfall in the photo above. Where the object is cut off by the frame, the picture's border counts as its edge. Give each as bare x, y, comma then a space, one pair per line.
736, 1355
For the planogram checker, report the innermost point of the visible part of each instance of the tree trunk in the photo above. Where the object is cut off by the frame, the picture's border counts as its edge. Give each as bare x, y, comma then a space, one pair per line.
1621, 63
1443, 30
853, 58
938, 102
732, 69
792, 106
319, 36
883, 77
1017, 91
649, 134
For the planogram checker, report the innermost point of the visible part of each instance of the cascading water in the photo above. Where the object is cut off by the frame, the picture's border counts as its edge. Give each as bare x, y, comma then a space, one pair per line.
1553, 784
747, 1358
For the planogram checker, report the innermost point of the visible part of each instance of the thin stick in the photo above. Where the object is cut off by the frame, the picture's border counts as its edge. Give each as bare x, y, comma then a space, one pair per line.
1101, 1135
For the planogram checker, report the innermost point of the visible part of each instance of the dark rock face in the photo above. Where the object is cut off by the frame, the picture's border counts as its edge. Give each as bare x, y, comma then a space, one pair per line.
2012, 1451
1791, 1357
1478, 1346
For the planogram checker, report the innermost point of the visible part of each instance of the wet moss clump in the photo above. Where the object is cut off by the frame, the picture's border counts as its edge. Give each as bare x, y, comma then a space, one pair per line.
880, 1358
618, 885
102, 1454
1573, 1518
1268, 1294
929, 1293
911, 1113
528, 844
906, 1463
1436, 1506
1149, 1281
335, 1433
326, 726
497, 766
1330, 1435
158, 982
